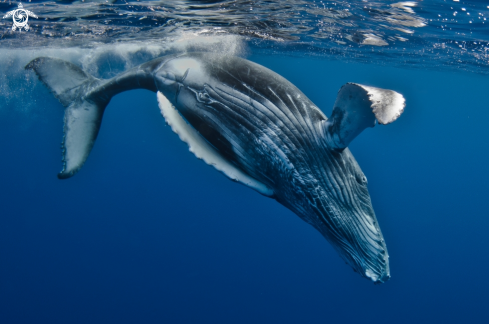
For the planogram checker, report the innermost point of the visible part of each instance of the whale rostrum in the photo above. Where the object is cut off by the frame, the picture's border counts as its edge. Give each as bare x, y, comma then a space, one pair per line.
256, 128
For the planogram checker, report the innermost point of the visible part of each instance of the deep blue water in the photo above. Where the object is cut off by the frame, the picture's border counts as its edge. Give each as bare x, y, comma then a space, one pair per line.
147, 233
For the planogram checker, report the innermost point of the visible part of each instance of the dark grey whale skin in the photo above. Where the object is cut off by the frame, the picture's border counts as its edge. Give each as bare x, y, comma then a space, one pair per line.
262, 124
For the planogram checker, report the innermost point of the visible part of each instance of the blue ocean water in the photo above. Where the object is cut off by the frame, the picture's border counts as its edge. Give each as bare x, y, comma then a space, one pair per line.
147, 233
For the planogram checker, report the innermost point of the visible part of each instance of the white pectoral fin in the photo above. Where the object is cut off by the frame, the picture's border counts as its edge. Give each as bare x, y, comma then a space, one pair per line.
203, 150
358, 107
387, 105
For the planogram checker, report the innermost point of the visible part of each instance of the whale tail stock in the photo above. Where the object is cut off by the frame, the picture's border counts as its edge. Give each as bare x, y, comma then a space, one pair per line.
84, 108
84, 98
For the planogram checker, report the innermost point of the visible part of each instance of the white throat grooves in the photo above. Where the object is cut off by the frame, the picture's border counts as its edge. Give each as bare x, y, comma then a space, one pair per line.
203, 150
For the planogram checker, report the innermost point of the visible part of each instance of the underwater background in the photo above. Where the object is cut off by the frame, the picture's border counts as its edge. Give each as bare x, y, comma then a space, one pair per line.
147, 233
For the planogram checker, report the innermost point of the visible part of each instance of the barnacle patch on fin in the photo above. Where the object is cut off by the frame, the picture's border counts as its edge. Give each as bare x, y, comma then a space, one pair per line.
203, 150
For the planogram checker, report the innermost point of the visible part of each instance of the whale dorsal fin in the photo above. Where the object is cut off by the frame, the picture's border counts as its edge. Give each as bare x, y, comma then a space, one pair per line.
358, 107
203, 150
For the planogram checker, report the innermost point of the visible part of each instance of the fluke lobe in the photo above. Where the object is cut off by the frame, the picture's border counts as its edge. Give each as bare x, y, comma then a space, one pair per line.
255, 127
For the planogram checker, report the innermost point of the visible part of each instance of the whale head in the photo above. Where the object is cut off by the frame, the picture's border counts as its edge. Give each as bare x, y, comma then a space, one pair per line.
342, 211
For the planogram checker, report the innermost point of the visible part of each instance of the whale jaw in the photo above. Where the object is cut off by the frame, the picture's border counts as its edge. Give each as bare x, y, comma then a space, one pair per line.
333, 197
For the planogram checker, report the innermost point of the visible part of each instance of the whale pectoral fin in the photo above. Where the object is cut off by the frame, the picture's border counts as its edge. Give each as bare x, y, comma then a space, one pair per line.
203, 150
83, 115
358, 107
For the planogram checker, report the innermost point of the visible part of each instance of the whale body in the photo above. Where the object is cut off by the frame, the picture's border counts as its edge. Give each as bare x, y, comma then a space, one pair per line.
255, 127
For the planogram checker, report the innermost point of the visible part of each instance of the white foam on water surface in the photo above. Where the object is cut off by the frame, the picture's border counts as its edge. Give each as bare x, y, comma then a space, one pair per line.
20, 89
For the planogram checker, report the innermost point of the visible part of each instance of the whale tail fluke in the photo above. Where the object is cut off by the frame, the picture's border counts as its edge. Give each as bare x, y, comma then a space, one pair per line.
77, 92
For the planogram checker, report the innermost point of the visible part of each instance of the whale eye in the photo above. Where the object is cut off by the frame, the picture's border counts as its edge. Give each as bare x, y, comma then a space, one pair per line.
361, 179
203, 96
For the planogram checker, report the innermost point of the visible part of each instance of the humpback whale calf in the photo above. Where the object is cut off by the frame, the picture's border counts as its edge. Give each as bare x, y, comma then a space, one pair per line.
255, 127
